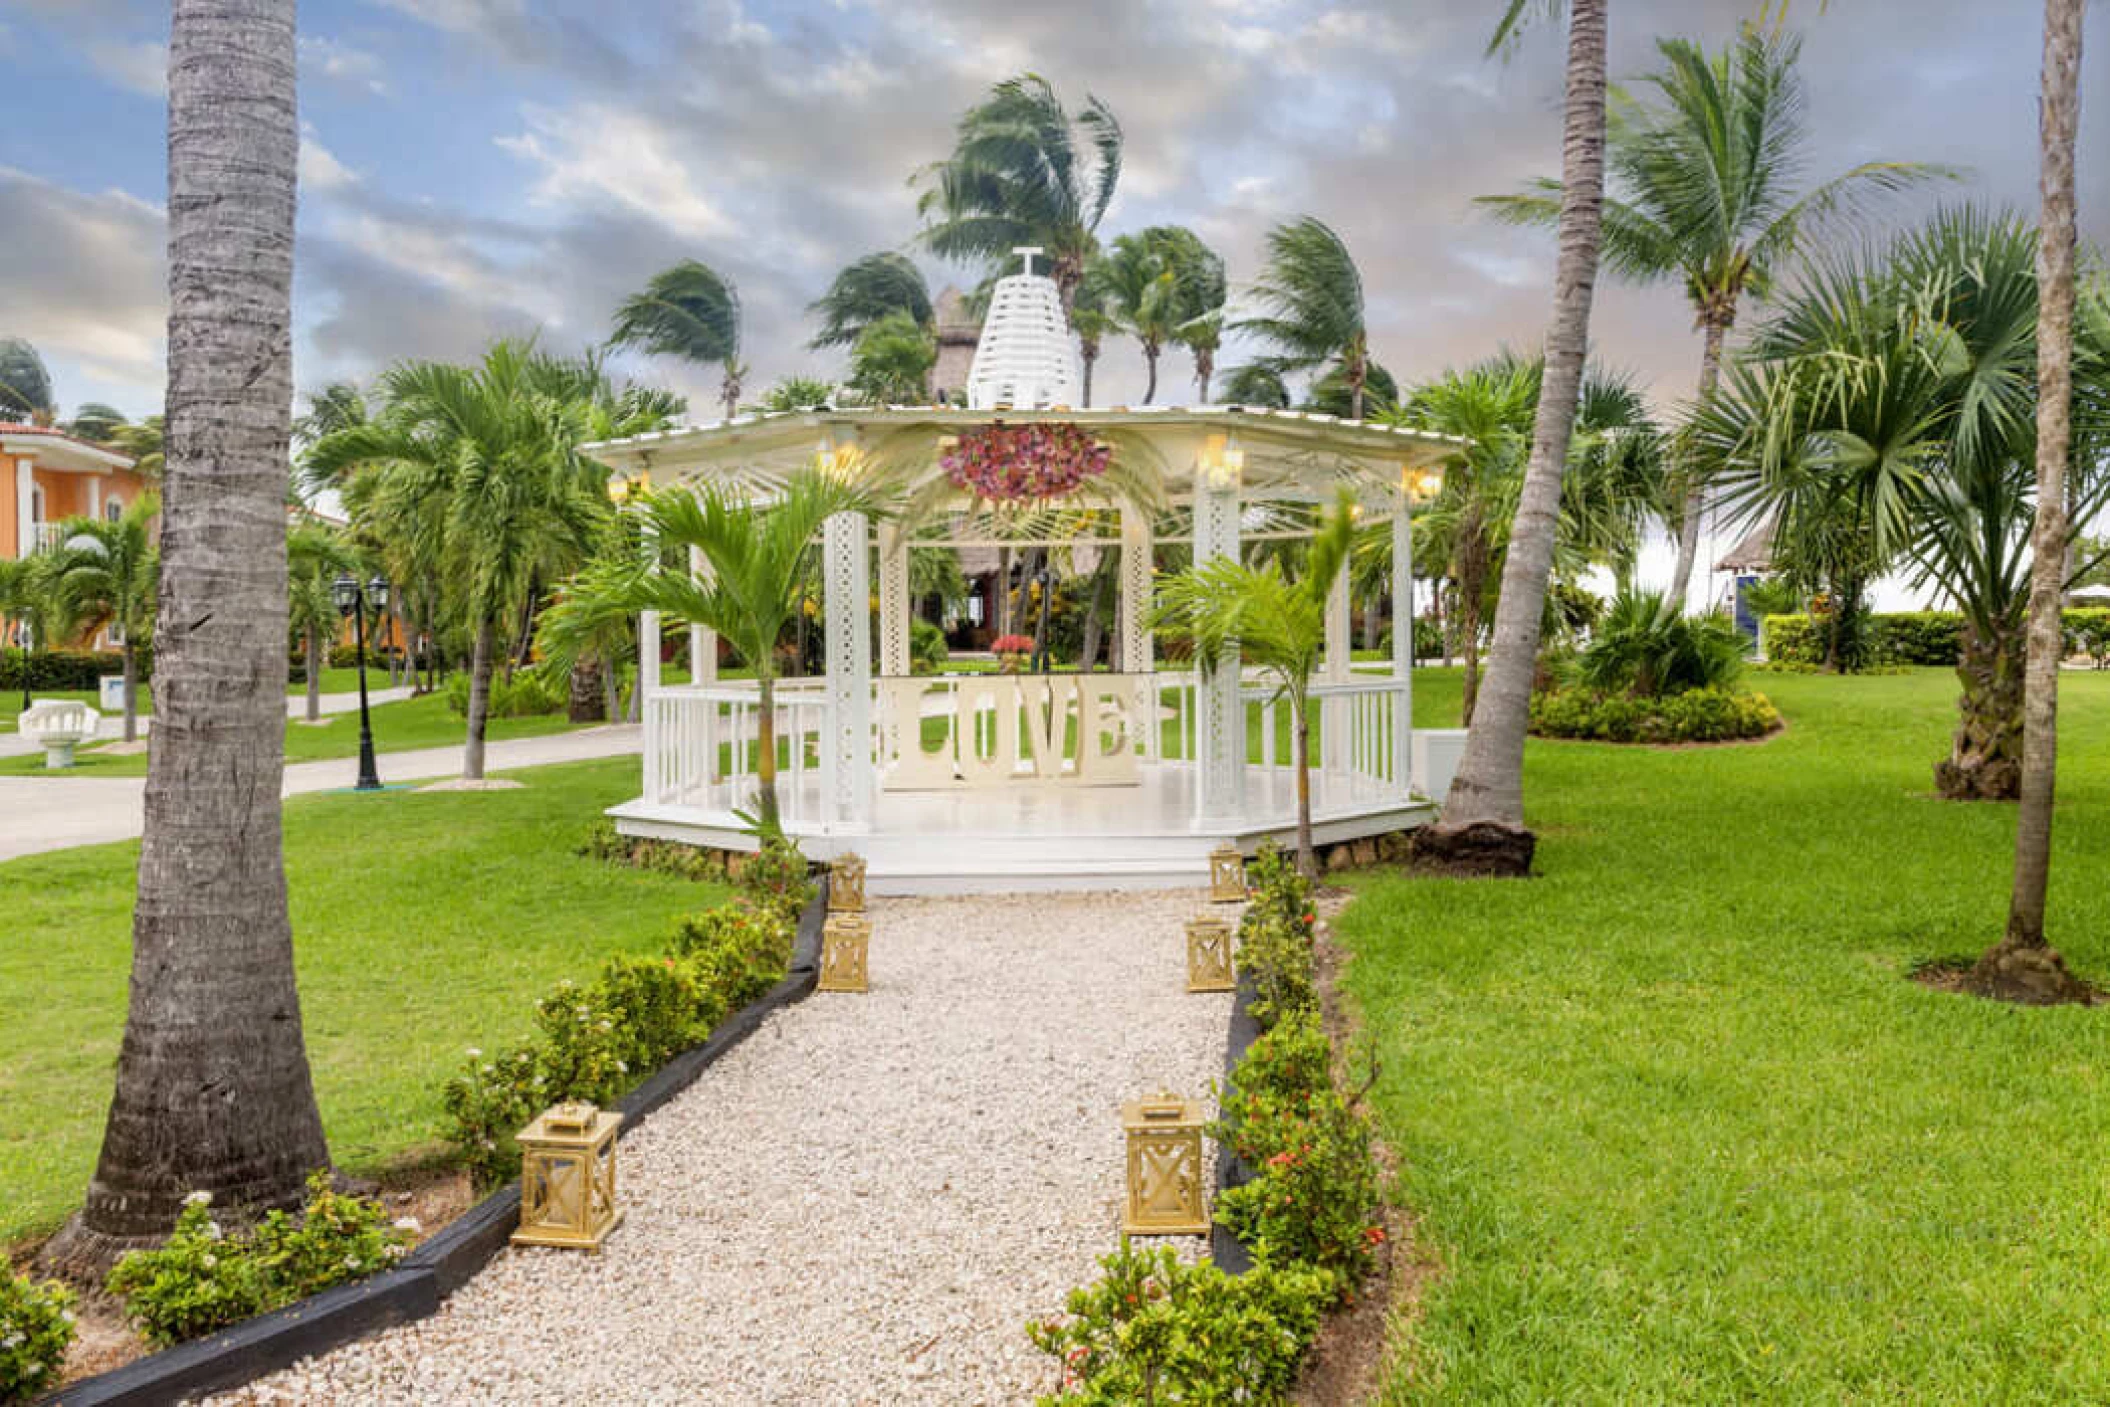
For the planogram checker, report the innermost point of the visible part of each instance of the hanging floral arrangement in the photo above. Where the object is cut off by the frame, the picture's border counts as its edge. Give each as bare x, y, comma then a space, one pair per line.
1024, 463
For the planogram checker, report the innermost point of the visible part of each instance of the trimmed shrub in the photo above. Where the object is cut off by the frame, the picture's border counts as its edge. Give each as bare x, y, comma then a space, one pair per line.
604, 842
2088, 633
204, 1279
1933, 638
1648, 647
1695, 716
926, 646
1275, 937
777, 878
526, 695
489, 1102
1154, 1330
67, 671
36, 1327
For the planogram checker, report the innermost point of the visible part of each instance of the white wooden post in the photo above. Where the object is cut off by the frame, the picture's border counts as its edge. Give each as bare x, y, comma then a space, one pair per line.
1219, 734
648, 678
25, 505
703, 641
1336, 669
896, 610
846, 757
1136, 644
1403, 634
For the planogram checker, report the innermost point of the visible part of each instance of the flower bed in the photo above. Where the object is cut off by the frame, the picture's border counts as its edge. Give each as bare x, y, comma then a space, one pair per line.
1695, 716
1152, 1329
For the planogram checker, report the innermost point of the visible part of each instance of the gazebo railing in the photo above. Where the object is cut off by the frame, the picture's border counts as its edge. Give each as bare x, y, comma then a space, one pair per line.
703, 747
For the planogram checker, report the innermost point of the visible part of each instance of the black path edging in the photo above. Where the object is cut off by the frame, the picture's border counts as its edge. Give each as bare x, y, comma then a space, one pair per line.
1225, 1249
437, 1268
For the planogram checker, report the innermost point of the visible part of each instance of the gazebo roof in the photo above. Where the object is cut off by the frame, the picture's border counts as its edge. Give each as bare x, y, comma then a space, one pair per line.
1288, 453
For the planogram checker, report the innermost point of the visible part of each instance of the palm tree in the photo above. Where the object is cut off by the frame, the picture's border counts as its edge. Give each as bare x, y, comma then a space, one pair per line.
338, 406
1275, 621
1092, 323
141, 442
1482, 830
690, 311
92, 420
1332, 395
212, 1090
1256, 384
26, 606
104, 576
1612, 486
757, 557
890, 365
1154, 285
315, 555
480, 466
25, 384
798, 393
1310, 297
1024, 171
866, 291
1704, 177
1901, 386
2024, 963
587, 630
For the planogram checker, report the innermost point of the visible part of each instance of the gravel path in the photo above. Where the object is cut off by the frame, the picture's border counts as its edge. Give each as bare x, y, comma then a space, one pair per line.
864, 1202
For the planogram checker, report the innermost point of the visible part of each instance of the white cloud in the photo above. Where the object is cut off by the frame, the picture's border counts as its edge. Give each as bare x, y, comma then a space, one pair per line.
320, 170
338, 62
138, 68
596, 154
84, 281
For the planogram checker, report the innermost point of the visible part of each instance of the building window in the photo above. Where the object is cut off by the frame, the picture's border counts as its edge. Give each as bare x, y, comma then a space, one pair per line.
113, 509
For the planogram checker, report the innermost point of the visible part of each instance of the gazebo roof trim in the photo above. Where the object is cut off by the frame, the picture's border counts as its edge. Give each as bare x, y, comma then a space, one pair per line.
1348, 435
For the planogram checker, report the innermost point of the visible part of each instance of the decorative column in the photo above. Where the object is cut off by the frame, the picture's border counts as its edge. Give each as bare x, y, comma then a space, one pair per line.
648, 678
703, 641
95, 497
1403, 634
25, 505
1136, 645
846, 756
1219, 734
896, 610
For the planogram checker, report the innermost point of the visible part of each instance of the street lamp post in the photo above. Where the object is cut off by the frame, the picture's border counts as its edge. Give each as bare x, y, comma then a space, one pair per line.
352, 600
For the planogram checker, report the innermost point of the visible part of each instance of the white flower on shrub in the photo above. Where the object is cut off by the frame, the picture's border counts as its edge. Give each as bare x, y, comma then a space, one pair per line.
409, 1224
198, 1199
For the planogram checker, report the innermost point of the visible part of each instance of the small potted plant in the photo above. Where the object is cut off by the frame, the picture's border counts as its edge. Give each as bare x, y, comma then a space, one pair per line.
1012, 652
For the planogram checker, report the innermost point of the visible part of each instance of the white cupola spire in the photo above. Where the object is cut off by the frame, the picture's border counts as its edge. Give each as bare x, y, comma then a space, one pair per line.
1027, 357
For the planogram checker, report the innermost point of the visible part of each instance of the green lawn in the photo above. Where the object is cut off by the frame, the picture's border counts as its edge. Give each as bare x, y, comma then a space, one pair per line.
398, 727
1677, 1128
423, 922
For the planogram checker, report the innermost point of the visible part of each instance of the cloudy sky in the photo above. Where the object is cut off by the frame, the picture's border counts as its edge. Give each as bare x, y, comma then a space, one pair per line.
478, 167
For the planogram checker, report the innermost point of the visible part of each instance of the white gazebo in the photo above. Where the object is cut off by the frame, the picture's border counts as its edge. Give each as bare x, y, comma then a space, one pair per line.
965, 782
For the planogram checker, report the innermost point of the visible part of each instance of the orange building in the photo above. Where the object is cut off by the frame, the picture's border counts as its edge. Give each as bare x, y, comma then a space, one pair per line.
48, 476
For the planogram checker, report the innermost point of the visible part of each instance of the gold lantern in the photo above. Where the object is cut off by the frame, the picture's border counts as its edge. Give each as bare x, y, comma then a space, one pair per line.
846, 885
845, 939
1164, 1167
567, 1177
1209, 955
1226, 875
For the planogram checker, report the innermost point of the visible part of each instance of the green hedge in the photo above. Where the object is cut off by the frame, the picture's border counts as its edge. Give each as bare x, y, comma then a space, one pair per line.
68, 671
1695, 716
1915, 637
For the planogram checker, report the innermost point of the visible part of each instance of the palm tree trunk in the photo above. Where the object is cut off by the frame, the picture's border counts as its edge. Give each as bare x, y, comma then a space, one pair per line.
1204, 372
612, 689
2023, 965
1985, 760
1300, 719
212, 1091
1088, 355
480, 666
1471, 591
1486, 801
1150, 375
1358, 375
1716, 333
314, 645
1094, 627
766, 760
128, 654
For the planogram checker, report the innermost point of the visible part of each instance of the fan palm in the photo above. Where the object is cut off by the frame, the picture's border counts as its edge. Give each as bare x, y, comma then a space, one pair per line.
690, 311
1277, 624
866, 291
104, 576
1704, 173
757, 556
1310, 302
1898, 390
1024, 171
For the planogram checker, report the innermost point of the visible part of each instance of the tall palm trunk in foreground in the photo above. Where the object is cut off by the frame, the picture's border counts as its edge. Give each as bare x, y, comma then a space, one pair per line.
1715, 333
2023, 965
1482, 830
213, 1091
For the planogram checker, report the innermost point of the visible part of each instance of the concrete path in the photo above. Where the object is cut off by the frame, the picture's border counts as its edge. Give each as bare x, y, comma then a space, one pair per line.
297, 704
39, 813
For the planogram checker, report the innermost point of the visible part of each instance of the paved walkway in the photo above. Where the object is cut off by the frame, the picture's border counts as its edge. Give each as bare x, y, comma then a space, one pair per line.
865, 1201
297, 704
40, 813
